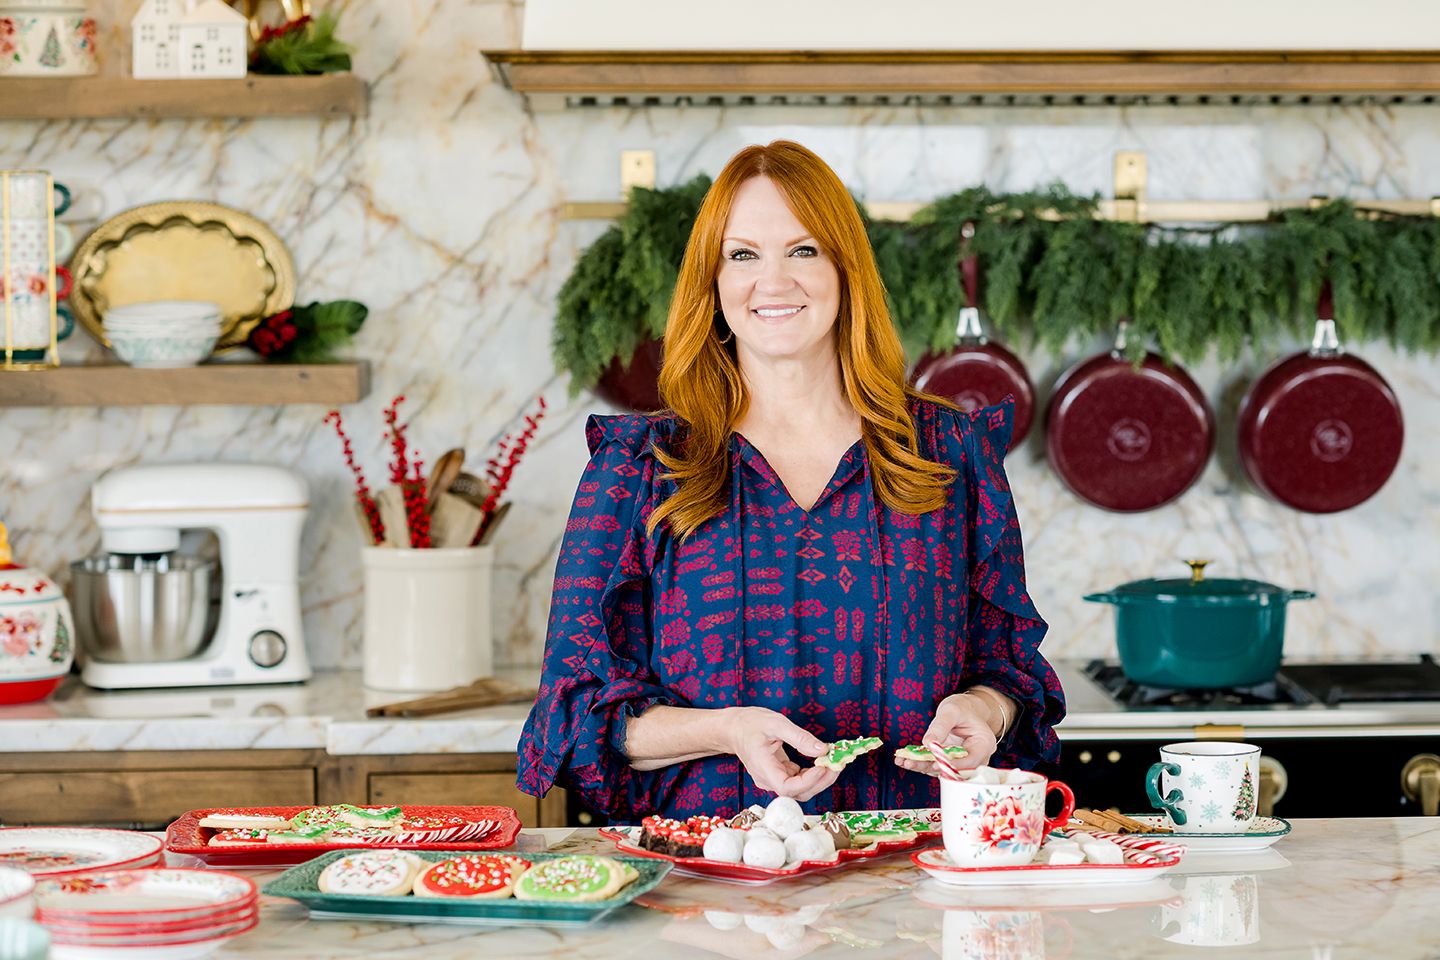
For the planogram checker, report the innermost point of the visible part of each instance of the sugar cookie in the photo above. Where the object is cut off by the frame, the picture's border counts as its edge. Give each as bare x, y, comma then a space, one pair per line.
383, 873
475, 877
845, 752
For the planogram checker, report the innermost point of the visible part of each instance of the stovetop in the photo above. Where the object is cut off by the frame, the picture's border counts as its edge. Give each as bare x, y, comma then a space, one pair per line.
1298, 684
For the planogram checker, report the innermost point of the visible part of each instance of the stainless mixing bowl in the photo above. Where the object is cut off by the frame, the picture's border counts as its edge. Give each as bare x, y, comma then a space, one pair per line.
131, 609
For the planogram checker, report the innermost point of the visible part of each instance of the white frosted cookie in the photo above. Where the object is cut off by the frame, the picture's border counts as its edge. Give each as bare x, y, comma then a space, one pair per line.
783, 817
809, 845
381, 873
725, 843
845, 752
762, 850
221, 820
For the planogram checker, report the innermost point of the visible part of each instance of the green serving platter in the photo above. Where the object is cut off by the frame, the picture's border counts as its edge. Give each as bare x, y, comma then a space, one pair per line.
302, 883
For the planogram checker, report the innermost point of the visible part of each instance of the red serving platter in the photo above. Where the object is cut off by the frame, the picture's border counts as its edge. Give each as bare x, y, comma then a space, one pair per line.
187, 836
744, 873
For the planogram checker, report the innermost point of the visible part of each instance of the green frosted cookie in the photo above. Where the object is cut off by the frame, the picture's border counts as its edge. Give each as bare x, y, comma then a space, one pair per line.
845, 752
869, 826
921, 753
370, 816
572, 879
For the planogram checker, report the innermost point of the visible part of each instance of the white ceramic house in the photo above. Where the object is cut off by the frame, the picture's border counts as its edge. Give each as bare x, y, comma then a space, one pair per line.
202, 39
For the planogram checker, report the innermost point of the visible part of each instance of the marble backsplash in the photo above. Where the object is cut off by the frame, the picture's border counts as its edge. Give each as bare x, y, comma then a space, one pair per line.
440, 210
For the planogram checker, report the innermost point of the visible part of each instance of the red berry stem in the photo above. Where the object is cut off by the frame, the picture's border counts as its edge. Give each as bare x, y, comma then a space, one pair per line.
501, 467
362, 489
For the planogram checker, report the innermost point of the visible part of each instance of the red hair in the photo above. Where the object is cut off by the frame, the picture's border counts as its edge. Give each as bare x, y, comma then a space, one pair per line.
700, 377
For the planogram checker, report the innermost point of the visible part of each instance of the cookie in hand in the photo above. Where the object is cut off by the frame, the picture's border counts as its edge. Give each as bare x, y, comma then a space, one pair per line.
845, 752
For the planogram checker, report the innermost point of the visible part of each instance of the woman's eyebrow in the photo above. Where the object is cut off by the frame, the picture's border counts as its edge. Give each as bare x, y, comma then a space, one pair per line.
754, 244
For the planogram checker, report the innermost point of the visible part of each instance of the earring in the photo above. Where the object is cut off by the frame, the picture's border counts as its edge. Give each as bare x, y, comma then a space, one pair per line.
729, 334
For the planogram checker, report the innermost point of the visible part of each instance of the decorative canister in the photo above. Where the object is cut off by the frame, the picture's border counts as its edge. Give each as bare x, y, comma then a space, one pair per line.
427, 617
35, 631
46, 38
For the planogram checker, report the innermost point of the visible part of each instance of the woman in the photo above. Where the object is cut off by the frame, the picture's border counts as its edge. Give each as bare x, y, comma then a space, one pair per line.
800, 549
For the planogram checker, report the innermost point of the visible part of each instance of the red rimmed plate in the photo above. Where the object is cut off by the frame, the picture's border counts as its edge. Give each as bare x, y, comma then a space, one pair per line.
228, 928
187, 836
142, 896
149, 951
744, 873
1144, 860
47, 852
108, 927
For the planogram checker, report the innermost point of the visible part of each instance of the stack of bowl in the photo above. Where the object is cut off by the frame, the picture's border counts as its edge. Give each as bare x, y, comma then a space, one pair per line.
163, 333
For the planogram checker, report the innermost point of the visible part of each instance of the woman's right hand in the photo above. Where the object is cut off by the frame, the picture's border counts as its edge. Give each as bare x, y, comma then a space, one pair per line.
757, 736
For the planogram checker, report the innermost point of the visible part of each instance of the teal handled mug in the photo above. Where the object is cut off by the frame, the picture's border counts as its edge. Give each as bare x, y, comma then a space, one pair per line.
1206, 786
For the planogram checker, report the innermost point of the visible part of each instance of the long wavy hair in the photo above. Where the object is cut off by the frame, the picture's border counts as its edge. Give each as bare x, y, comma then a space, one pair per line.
700, 377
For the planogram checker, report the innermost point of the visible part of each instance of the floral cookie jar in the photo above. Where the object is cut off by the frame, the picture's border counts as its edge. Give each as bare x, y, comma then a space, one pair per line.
35, 632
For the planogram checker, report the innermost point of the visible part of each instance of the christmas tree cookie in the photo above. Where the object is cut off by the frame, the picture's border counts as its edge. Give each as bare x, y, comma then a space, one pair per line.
922, 753
845, 752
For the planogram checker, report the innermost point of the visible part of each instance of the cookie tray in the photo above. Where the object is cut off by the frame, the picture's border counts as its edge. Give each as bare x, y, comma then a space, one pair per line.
302, 883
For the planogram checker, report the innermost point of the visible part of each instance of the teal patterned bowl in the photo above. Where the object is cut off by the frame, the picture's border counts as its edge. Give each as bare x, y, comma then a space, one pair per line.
181, 349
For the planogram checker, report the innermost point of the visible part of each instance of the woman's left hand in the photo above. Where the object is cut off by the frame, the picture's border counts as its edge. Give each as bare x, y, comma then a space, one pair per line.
965, 719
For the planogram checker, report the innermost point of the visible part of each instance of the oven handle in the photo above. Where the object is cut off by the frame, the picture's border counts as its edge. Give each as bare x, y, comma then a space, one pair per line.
1421, 782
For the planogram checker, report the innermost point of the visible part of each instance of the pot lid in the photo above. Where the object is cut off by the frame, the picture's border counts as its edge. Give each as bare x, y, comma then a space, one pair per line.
1197, 590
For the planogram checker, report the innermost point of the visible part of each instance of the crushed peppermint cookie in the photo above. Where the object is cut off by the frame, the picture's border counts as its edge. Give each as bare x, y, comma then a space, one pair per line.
568, 878
472, 876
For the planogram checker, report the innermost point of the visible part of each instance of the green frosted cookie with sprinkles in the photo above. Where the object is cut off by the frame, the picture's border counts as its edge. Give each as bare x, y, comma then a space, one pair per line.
869, 826
572, 880
845, 752
370, 816
921, 753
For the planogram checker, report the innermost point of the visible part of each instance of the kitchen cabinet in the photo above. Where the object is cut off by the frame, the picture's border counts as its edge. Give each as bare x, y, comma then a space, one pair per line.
149, 789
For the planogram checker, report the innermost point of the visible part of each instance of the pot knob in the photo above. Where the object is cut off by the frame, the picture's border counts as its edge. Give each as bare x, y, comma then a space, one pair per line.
1421, 782
1197, 570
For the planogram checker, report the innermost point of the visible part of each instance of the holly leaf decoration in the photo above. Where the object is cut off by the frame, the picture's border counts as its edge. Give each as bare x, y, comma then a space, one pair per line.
304, 46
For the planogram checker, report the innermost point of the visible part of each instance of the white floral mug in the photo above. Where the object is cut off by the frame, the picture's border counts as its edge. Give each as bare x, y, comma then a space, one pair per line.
999, 824
1206, 786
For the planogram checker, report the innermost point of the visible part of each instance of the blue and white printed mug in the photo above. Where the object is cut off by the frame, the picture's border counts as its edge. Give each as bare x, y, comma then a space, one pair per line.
1207, 786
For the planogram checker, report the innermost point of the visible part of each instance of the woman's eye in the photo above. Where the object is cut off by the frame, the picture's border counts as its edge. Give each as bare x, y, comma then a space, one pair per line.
805, 251
742, 254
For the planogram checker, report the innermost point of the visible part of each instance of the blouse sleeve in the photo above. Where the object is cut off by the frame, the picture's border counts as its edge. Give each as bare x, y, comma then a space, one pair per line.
1004, 628
595, 673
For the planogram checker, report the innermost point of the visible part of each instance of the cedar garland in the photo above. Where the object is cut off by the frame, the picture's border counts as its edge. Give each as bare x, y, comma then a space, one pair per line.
1050, 282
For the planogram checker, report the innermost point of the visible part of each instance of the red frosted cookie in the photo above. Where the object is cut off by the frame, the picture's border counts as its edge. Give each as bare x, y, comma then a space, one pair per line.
474, 877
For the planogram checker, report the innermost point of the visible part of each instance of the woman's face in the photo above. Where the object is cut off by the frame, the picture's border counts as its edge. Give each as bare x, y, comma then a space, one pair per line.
779, 290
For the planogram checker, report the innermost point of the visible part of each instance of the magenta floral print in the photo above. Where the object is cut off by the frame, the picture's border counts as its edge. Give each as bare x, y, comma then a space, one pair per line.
849, 618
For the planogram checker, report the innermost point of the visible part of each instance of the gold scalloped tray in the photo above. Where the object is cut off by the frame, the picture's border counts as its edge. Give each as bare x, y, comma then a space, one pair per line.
184, 250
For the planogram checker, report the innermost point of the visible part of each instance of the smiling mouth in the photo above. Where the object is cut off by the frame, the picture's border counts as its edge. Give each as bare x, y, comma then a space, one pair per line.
776, 313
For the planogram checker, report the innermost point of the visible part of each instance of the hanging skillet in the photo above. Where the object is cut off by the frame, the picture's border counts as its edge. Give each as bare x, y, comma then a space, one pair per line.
1127, 438
976, 373
1320, 431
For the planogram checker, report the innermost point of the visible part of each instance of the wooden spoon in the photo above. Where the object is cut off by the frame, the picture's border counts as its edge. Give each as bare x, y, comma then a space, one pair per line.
442, 474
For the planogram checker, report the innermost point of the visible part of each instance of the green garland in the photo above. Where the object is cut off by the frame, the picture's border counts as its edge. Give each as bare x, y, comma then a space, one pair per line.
1049, 280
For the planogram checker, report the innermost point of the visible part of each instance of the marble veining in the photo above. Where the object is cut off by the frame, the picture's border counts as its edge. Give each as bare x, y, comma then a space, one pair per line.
1333, 888
441, 211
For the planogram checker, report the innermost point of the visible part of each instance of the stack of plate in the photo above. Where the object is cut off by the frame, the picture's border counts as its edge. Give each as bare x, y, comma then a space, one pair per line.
156, 913
50, 852
164, 333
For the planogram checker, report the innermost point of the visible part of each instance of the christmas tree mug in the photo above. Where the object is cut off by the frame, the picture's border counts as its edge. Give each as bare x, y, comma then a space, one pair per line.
1207, 786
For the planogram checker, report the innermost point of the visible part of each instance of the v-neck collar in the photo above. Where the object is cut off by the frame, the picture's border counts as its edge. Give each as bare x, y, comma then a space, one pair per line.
850, 463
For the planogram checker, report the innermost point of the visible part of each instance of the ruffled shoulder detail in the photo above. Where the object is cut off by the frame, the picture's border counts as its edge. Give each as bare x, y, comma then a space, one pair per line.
975, 444
637, 433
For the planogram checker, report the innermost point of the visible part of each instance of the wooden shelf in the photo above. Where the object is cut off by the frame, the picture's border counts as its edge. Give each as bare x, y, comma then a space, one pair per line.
331, 384
661, 77
258, 95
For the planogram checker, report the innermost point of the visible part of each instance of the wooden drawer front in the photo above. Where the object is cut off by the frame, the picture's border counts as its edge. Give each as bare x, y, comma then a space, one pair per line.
454, 788
145, 797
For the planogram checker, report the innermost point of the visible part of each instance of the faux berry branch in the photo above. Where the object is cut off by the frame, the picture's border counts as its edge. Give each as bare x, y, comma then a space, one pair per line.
408, 478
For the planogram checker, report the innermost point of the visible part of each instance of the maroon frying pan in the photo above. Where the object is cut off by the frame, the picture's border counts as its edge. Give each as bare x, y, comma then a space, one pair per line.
1127, 438
635, 385
976, 373
1320, 431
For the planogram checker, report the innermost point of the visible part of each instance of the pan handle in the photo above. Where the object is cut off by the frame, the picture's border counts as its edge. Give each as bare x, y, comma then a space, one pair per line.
969, 327
1300, 595
1107, 597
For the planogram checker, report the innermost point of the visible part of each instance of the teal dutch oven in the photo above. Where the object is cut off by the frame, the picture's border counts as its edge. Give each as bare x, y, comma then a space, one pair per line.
1199, 634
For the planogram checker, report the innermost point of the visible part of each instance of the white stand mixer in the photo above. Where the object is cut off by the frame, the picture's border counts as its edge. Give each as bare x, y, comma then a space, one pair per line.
257, 513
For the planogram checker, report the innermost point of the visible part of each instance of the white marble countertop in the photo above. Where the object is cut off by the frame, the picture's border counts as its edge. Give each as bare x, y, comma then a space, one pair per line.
325, 713
328, 713
1333, 888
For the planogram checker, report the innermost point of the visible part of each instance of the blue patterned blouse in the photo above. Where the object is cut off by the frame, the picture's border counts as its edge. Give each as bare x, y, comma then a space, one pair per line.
850, 619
